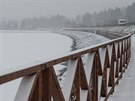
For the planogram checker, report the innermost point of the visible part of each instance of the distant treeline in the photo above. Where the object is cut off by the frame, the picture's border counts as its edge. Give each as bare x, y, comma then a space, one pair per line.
107, 17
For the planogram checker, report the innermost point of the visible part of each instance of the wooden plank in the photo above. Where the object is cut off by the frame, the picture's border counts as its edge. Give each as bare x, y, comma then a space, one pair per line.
111, 76
69, 79
17, 74
76, 86
99, 66
36, 92
117, 68
121, 63
25, 88
6, 77
56, 90
102, 56
110, 48
89, 64
116, 49
94, 91
83, 79
106, 71
37, 88
123, 46
120, 44
88, 70
46, 83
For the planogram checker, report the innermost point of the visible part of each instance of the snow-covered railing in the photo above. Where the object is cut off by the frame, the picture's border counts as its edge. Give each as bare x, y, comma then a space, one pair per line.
92, 80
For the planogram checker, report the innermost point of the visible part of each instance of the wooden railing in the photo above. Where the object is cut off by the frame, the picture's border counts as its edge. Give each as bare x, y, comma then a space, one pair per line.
91, 75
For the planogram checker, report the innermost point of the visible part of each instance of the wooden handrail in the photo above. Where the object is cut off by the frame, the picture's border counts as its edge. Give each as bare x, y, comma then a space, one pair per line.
96, 77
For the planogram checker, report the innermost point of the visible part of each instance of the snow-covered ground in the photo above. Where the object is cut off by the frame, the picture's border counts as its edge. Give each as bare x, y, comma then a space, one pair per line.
128, 29
83, 39
126, 89
22, 49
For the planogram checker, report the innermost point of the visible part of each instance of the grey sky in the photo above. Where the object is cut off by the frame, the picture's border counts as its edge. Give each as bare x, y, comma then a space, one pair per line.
17, 9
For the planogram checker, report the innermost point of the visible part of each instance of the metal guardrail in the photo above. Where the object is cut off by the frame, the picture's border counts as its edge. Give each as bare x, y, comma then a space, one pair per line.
92, 80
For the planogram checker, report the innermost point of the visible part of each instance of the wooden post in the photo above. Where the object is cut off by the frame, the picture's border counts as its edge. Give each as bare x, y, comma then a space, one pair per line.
94, 76
56, 90
46, 75
83, 79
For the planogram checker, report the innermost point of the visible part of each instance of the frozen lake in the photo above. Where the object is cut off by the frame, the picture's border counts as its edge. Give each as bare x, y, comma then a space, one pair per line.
19, 49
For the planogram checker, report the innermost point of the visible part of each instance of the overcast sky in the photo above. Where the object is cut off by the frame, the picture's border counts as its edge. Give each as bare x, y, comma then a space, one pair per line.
18, 9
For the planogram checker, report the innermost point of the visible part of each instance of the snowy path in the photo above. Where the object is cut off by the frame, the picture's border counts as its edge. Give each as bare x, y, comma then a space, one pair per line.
125, 91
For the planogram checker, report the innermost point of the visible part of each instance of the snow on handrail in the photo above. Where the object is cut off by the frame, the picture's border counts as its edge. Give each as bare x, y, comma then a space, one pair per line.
96, 77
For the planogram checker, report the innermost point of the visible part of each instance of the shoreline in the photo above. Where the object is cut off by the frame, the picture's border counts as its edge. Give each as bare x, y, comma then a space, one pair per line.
73, 46
76, 38
82, 39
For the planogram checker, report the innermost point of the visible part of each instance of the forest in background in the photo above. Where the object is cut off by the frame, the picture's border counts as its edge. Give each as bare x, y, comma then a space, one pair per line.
107, 17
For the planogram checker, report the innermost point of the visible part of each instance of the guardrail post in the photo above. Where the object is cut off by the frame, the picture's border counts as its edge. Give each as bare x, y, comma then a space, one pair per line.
111, 74
83, 79
104, 80
56, 90
117, 61
75, 94
46, 83
121, 59
94, 76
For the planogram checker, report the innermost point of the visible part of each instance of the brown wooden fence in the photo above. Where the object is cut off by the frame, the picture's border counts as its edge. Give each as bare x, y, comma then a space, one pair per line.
92, 80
